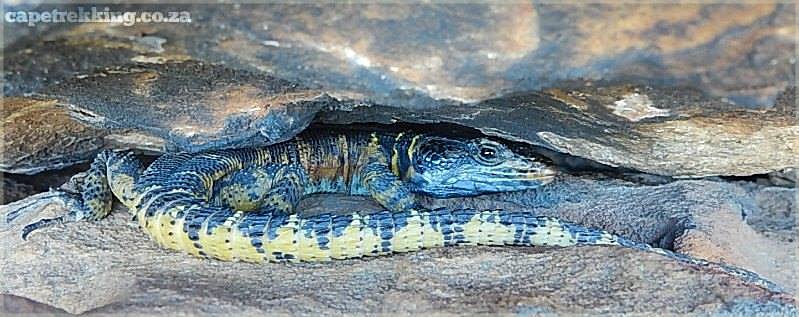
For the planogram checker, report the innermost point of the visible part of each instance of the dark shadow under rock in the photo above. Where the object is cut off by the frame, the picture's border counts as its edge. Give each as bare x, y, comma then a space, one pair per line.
13, 190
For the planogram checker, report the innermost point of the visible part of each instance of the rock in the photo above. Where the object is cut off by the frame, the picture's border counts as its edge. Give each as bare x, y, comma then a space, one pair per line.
11, 304
413, 55
786, 101
443, 57
33, 63
700, 218
417, 54
121, 271
655, 130
785, 178
110, 266
40, 136
191, 106
776, 212
251, 74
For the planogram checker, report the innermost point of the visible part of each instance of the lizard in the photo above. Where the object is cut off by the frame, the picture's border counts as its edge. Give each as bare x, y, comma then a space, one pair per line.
239, 204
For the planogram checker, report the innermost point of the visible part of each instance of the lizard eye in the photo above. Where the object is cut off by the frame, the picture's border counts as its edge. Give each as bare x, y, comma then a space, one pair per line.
488, 153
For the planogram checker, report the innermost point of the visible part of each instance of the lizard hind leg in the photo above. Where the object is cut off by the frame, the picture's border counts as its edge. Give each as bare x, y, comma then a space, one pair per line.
277, 187
248, 207
111, 173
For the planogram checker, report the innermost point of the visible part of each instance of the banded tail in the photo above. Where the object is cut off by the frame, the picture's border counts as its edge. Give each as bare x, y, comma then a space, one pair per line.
268, 237
272, 237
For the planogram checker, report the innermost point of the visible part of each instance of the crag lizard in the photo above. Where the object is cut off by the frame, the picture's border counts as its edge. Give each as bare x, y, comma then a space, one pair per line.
239, 205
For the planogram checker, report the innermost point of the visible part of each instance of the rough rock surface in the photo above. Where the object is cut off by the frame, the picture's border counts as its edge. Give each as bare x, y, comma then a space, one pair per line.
33, 63
701, 218
416, 54
446, 58
256, 74
39, 136
110, 266
10, 304
777, 211
192, 106
660, 131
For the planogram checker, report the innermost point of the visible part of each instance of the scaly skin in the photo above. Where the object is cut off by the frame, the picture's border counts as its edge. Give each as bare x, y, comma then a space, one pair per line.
238, 205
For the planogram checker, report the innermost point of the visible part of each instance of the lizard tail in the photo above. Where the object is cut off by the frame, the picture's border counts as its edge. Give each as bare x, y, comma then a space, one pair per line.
262, 236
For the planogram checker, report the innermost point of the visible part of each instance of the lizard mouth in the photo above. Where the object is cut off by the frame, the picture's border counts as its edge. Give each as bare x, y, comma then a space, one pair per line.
544, 175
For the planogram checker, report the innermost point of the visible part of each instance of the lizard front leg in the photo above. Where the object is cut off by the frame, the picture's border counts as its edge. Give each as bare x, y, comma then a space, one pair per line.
382, 184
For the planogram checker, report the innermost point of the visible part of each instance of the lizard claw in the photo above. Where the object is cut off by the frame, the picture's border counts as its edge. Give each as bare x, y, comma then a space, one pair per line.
32, 205
41, 224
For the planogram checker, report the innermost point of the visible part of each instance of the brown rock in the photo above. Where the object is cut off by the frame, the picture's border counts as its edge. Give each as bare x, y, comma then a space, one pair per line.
418, 54
191, 106
40, 136
700, 218
662, 131
110, 266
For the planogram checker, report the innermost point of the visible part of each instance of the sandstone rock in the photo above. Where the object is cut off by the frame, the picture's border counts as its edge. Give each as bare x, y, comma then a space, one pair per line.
417, 54
448, 58
700, 218
40, 136
110, 266
191, 106
655, 130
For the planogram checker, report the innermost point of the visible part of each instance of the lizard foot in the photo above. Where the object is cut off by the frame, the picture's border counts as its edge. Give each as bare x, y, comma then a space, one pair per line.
16, 211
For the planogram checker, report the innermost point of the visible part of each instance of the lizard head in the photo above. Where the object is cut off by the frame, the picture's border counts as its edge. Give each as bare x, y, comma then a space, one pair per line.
442, 167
